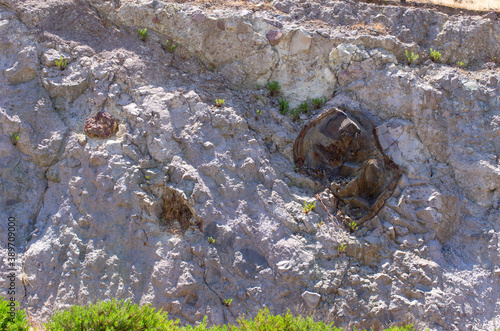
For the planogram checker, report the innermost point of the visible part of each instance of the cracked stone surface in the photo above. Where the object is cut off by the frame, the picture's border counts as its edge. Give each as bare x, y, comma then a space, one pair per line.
130, 216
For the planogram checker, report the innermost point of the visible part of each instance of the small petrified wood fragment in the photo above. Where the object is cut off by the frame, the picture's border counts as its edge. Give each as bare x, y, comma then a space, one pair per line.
342, 152
102, 125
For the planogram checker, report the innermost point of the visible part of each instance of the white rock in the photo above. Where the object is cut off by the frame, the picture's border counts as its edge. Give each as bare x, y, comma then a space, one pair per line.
311, 299
345, 54
301, 41
24, 68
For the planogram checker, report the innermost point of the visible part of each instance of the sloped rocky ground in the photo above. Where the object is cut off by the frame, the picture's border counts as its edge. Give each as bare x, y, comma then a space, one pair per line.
133, 216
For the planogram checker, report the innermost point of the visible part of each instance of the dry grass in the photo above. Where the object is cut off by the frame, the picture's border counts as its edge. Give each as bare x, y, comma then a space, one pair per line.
485, 5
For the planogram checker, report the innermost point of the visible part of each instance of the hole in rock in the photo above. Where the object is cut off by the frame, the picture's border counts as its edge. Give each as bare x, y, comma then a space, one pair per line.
342, 152
191, 298
176, 215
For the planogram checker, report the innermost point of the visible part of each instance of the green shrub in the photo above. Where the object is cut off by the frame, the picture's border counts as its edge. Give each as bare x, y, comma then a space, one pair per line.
143, 33
61, 63
273, 87
111, 315
303, 108
308, 206
171, 47
14, 138
11, 318
295, 113
284, 106
435, 55
410, 57
317, 102
264, 321
220, 102
124, 316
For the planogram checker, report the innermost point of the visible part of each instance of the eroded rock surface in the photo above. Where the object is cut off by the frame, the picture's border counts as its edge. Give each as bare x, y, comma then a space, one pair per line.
130, 216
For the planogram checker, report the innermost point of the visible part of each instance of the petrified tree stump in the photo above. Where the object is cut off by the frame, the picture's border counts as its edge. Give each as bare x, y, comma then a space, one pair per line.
101, 125
342, 152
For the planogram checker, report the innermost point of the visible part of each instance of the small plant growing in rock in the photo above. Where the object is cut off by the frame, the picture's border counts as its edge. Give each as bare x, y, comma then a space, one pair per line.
303, 108
317, 102
341, 248
261, 98
493, 57
143, 34
273, 87
14, 138
295, 113
353, 226
435, 55
61, 63
410, 57
259, 112
308, 206
460, 64
211, 240
170, 47
220, 102
147, 177
227, 302
320, 224
284, 106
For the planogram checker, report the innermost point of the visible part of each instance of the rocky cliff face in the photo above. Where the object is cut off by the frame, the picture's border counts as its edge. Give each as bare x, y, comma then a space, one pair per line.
183, 204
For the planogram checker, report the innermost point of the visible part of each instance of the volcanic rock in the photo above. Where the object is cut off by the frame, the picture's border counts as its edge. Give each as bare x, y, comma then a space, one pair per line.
101, 125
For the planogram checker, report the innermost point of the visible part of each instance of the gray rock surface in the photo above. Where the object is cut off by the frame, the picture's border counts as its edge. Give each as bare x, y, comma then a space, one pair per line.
189, 204
312, 299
